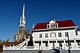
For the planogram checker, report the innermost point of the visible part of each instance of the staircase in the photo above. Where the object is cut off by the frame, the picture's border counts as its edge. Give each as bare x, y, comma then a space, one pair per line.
25, 42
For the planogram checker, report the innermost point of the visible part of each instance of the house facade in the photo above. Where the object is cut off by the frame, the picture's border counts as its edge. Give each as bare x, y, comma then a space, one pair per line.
56, 34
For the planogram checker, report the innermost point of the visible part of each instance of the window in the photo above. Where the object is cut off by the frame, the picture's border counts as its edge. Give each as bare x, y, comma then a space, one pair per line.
47, 25
40, 35
66, 34
53, 35
59, 34
76, 32
46, 35
52, 26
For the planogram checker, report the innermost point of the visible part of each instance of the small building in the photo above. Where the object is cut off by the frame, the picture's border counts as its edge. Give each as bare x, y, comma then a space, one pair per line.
56, 34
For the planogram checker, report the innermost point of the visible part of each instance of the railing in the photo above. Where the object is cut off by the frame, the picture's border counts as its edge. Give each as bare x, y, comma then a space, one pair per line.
19, 46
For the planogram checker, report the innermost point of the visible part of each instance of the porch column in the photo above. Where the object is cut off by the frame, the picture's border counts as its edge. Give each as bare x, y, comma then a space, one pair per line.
41, 45
56, 43
64, 44
48, 42
75, 44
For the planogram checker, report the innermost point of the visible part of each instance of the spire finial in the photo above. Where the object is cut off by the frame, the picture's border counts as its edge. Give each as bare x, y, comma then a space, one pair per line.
22, 19
23, 10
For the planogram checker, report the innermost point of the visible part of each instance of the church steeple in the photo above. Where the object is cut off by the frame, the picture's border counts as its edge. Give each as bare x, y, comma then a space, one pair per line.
22, 19
22, 33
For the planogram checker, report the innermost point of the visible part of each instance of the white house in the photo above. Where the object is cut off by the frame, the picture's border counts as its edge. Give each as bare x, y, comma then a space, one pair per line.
56, 34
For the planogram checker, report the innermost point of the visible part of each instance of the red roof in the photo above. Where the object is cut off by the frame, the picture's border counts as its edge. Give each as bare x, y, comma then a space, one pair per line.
64, 23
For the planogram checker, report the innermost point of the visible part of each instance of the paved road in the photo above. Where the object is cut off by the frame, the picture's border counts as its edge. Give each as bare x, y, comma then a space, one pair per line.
35, 51
28, 51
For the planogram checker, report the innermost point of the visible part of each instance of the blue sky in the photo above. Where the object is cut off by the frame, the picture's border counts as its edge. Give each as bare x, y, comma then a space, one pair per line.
36, 11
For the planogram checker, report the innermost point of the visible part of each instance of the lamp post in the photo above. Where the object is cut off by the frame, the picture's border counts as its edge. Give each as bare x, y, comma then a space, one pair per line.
69, 45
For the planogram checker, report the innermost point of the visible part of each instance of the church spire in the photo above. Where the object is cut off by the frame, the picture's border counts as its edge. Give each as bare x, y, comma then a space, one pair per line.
22, 33
22, 19
23, 10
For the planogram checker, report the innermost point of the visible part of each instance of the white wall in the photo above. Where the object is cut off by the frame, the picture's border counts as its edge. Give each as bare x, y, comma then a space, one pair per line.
72, 36
35, 35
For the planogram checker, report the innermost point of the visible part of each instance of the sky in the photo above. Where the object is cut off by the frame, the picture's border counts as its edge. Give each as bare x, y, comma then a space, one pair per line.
36, 11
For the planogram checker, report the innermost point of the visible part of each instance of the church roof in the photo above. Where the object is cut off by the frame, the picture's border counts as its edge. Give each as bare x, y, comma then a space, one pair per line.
64, 23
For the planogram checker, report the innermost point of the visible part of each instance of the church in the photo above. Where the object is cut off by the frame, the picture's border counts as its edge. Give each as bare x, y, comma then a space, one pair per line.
45, 36
22, 38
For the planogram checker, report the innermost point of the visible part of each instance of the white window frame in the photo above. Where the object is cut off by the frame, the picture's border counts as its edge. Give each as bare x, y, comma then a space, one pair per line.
52, 35
66, 34
46, 35
59, 34
40, 35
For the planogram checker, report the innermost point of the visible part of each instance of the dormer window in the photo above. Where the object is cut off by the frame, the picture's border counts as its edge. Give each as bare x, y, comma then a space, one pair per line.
52, 24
